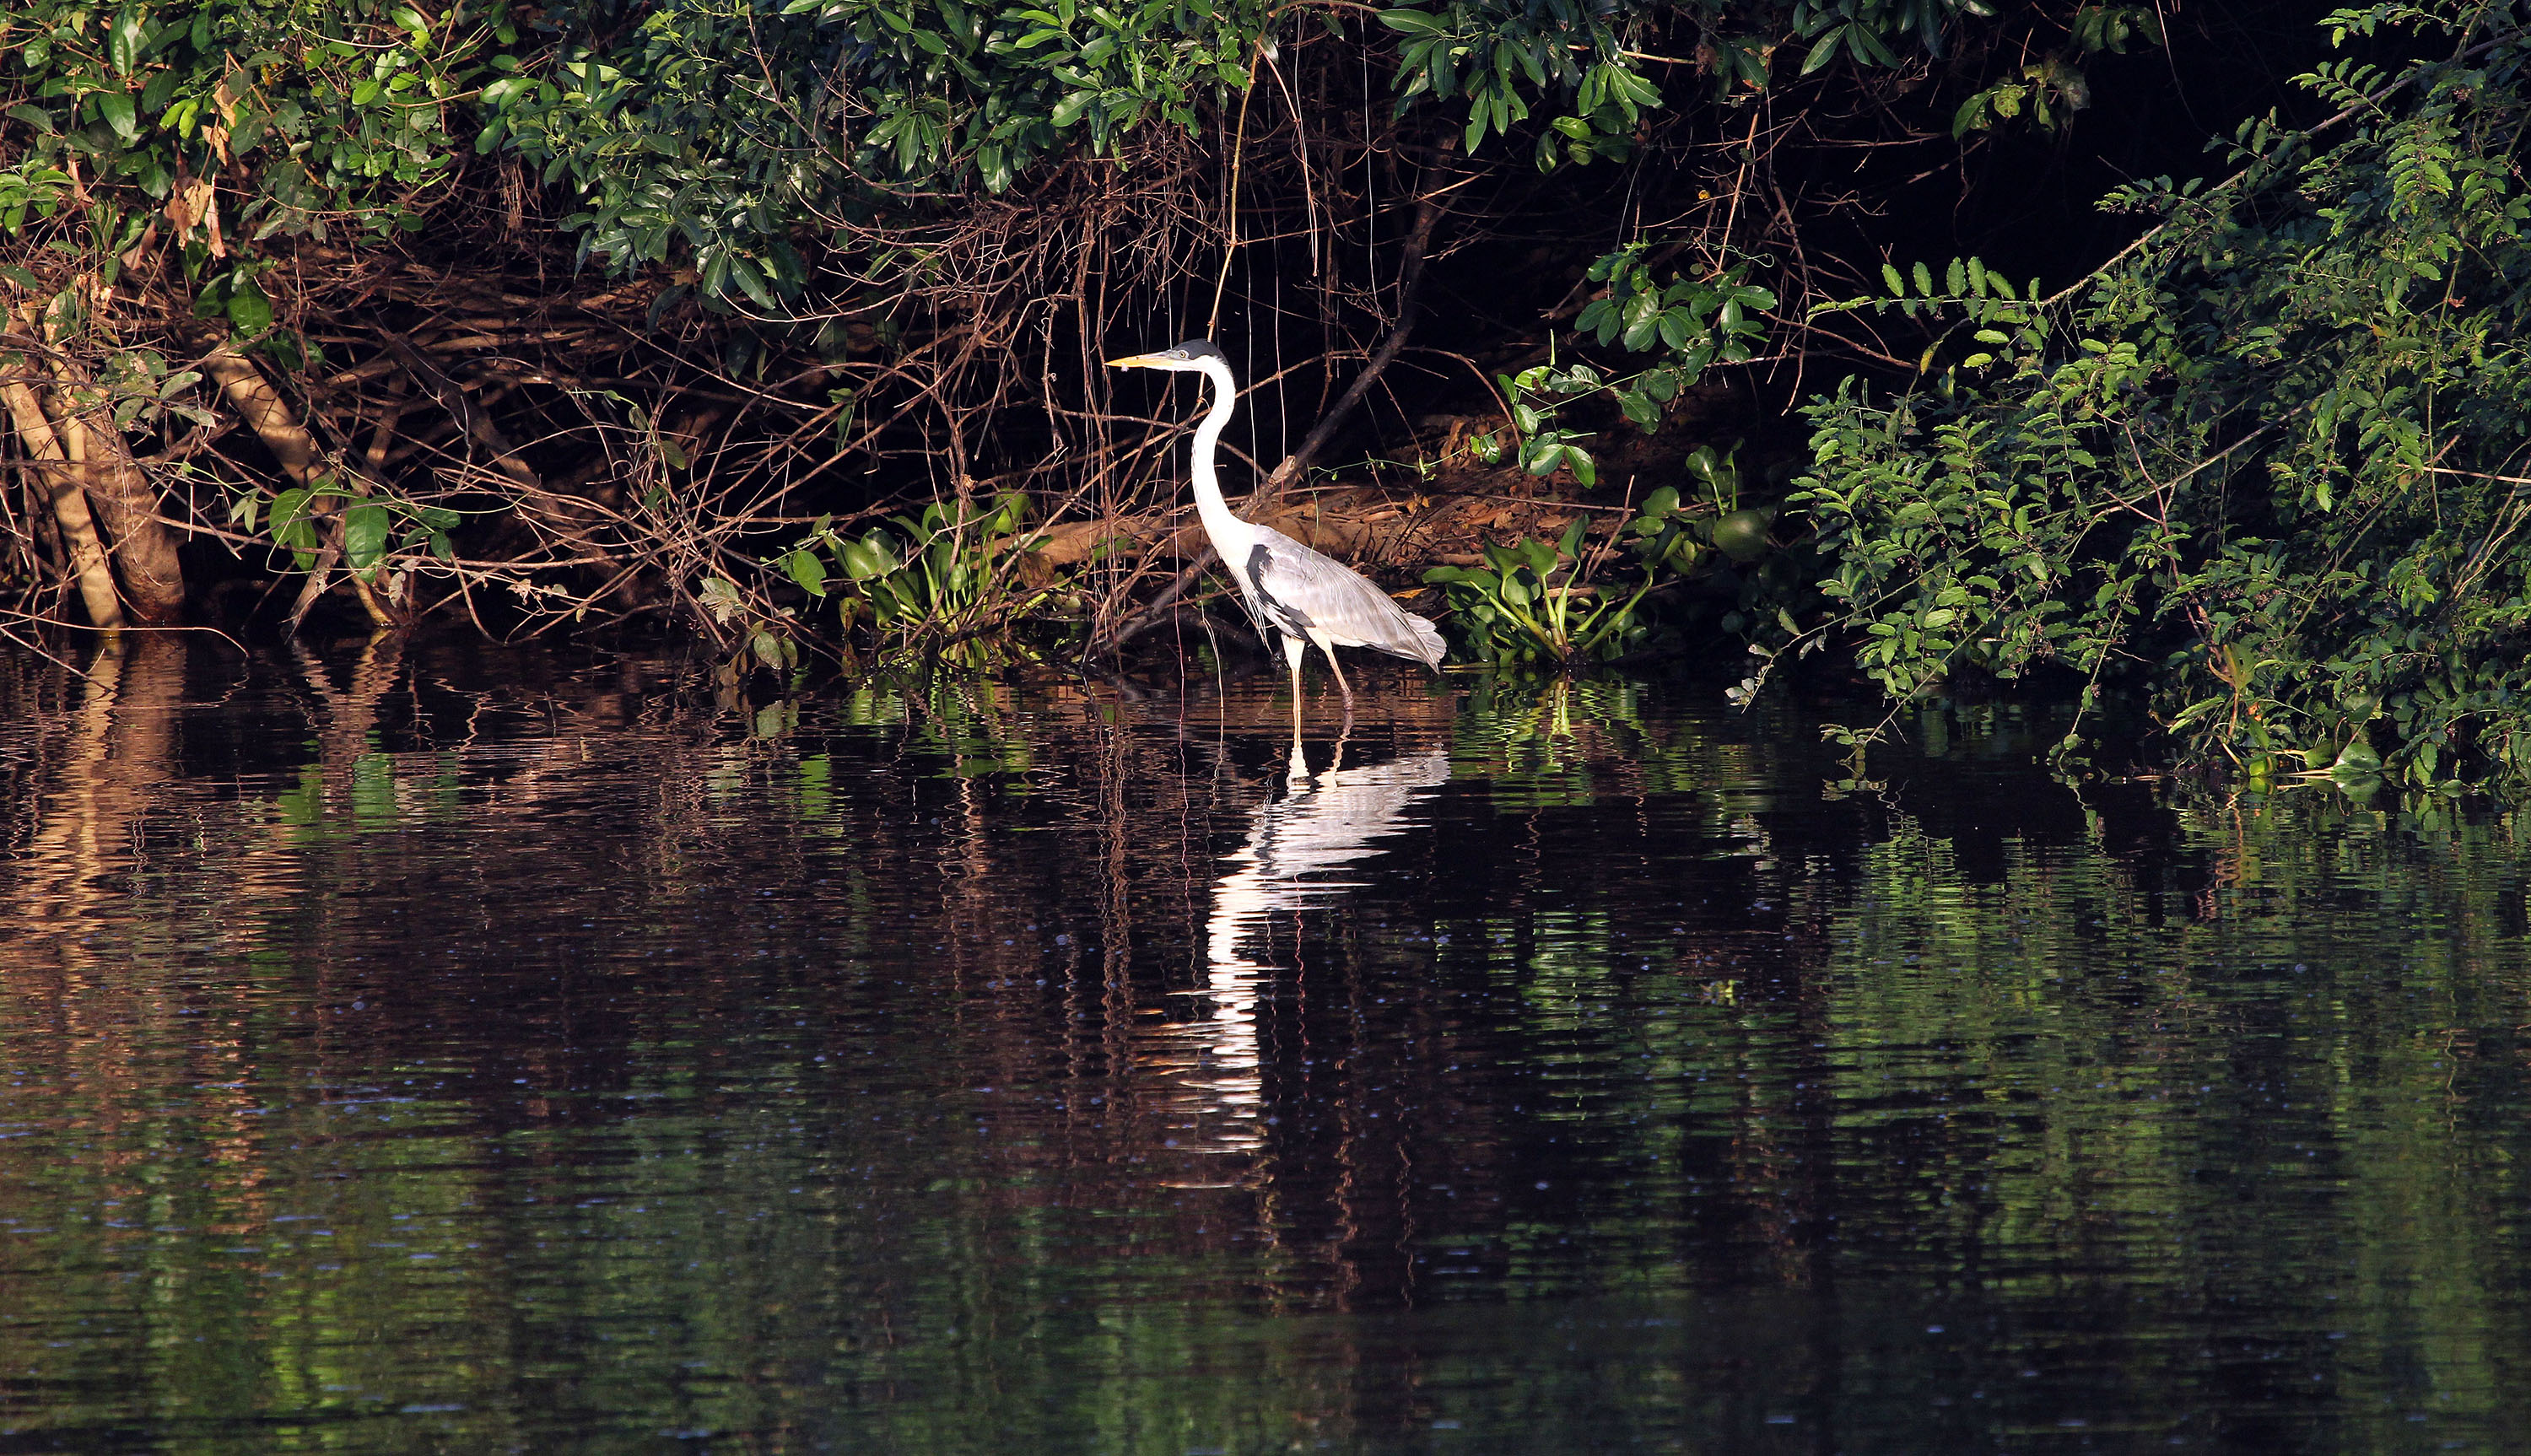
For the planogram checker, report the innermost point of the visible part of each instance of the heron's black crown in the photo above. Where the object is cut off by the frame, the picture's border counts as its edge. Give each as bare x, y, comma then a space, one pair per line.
1198, 349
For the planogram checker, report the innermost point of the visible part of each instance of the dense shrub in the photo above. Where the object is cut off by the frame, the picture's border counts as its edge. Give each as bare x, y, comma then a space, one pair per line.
2272, 466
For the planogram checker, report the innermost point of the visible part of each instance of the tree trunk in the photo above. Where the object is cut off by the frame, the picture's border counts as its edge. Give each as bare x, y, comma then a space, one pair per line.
138, 541
143, 547
69, 503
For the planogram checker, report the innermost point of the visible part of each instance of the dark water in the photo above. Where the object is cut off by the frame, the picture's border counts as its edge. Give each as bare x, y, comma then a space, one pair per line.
467, 1052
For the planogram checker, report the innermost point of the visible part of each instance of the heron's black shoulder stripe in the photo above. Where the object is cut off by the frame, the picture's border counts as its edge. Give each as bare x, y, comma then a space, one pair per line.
1284, 614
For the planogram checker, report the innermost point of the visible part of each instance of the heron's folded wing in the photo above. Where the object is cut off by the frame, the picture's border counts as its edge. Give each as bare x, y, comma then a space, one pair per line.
1333, 598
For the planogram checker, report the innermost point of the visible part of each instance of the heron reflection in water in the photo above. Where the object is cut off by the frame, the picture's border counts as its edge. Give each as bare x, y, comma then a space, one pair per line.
1323, 823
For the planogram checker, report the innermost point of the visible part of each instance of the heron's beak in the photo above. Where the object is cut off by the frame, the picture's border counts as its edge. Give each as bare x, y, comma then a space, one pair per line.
1137, 362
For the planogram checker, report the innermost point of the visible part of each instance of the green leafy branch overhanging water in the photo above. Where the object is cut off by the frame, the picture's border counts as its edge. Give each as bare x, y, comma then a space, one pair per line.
231, 125
2269, 466
724, 131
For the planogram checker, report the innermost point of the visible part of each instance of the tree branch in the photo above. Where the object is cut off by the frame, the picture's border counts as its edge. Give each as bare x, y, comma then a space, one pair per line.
1410, 274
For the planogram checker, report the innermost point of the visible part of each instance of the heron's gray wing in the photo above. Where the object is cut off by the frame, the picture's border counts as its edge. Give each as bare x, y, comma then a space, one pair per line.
1304, 589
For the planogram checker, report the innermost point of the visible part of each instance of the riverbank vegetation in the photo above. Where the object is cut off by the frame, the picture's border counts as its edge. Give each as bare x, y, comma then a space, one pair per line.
1620, 332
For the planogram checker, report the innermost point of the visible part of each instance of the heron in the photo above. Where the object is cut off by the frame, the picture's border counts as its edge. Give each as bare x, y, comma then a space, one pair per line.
1291, 592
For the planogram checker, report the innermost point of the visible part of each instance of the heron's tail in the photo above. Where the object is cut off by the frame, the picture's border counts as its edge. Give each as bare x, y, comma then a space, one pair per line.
1428, 647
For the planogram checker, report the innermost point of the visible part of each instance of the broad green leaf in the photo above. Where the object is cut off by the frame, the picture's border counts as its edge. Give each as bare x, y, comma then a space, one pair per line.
249, 311
119, 112
123, 45
365, 535
288, 519
743, 272
1824, 52
808, 569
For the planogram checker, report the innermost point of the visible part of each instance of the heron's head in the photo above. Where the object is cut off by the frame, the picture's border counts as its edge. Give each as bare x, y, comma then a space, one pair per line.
1192, 355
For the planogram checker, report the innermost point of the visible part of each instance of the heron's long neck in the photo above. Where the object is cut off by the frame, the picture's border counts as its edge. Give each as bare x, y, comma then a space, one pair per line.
1209, 504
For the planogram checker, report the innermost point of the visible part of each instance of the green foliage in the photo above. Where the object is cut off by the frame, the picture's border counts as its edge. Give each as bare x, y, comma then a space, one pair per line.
1530, 601
1721, 520
375, 528
1506, 58
719, 128
2270, 461
32, 185
942, 578
1496, 56
1696, 323
1691, 325
305, 114
738, 133
2053, 86
137, 388
1540, 444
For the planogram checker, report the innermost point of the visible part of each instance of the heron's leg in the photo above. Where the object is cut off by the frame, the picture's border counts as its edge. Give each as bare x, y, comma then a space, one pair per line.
1342, 686
1295, 649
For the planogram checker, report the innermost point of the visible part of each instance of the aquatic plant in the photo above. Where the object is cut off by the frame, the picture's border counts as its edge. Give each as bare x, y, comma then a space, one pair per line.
1535, 600
944, 580
1530, 603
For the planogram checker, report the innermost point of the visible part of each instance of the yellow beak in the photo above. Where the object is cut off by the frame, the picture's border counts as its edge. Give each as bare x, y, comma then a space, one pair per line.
1136, 362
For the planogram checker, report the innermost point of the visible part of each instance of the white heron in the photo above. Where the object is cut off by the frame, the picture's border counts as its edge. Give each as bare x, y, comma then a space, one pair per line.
1291, 591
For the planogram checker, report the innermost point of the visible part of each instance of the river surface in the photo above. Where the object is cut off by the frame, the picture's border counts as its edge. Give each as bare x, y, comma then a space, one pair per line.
473, 1050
